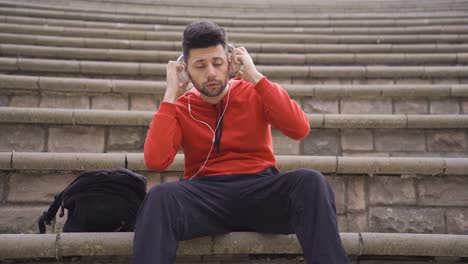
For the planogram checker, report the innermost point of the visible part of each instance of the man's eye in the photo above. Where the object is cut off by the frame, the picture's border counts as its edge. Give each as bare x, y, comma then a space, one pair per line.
199, 66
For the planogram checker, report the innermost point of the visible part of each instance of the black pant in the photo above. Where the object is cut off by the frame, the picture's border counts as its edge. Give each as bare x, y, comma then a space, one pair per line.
299, 202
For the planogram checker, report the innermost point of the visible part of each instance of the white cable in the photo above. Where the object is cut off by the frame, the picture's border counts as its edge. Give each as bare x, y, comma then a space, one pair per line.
212, 131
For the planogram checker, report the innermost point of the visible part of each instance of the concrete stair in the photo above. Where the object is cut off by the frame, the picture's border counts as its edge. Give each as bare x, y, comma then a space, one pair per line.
384, 83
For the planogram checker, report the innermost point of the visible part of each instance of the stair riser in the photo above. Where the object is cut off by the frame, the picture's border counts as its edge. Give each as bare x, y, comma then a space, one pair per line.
12, 38
375, 204
367, 102
239, 37
322, 142
49, 52
316, 27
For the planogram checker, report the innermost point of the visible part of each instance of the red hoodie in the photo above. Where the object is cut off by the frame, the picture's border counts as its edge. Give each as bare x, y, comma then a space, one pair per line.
243, 138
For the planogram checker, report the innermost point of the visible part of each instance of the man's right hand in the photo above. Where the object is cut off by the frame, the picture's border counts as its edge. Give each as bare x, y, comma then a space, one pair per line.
174, 89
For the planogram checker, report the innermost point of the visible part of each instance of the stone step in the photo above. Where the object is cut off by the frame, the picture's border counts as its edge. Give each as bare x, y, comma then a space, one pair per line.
52, 52
115, 94
171, 13
246, 14
321, 27
14, 161
61, 41
63, 130
9, 84
158, 70
341, 6
63, 245
373, 194
238, 37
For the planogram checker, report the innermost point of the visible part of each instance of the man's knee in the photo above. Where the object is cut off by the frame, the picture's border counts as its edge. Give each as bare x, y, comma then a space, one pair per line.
308, 177
162, 192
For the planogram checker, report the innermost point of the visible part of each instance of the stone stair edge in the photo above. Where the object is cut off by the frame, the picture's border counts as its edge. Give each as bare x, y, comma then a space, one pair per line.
159, 69
374, 166
23, 246
183, 12
169, 20
330, 29
61, 41
374, 5
85, 85
27, 115
119, 55
292, 37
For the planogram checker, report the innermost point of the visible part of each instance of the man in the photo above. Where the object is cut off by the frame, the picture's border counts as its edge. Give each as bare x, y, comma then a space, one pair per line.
223, 127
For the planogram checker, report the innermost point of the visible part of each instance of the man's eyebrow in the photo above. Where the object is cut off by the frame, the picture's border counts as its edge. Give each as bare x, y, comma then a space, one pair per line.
203, 60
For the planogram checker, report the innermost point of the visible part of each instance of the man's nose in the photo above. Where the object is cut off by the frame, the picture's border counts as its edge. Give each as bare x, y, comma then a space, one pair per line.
211, 72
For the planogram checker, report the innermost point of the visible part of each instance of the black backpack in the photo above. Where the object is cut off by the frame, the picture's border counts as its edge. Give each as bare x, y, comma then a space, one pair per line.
99, 201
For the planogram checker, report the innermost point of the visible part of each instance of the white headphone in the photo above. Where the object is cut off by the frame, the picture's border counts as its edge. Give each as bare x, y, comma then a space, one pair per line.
212, 131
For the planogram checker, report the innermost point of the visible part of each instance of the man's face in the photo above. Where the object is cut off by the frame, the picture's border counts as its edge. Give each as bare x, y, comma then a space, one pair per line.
208, 69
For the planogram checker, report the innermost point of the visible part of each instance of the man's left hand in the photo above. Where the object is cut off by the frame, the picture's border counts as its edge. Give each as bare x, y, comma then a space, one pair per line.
249, 72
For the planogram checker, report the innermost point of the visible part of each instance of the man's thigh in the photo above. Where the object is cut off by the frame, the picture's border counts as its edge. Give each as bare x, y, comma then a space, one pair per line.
200, 208
267, 201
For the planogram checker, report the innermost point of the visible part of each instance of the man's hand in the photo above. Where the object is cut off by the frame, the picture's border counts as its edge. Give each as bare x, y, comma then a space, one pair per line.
174, 89
249, 72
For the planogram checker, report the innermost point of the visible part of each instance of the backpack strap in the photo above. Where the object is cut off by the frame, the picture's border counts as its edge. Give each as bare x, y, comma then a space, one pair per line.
48, 215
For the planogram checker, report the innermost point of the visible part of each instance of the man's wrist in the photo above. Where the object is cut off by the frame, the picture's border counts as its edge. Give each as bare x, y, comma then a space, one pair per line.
257, 77
169, 97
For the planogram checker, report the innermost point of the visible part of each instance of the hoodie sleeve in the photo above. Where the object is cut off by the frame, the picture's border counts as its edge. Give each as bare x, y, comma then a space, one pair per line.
282, 112
163, 138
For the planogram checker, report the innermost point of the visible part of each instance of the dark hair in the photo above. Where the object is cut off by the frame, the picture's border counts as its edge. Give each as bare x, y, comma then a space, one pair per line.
202, 34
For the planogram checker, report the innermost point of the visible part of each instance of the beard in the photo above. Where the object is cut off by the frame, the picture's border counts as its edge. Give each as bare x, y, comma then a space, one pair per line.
207, 89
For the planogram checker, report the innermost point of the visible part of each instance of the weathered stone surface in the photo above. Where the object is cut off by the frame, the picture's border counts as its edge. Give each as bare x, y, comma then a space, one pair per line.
27, 247
406, 220
3, 183
322, 142
411, 106
444, 106
357, 139
19, 82
95, 244
366, 106
20, 219
457, 221
126, 139
338, 185
391, 190
356, 194
443, 191
357, 222
81, 85
413, 81
464, 107
399, 140
317, 105
24, 101
255, 243
342, 223
33, 187
66, 161
108, 102
447, 141
22, 138
284, 145
72, 102
171, 176
76, 139
144, 103
152, 178
4, 100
